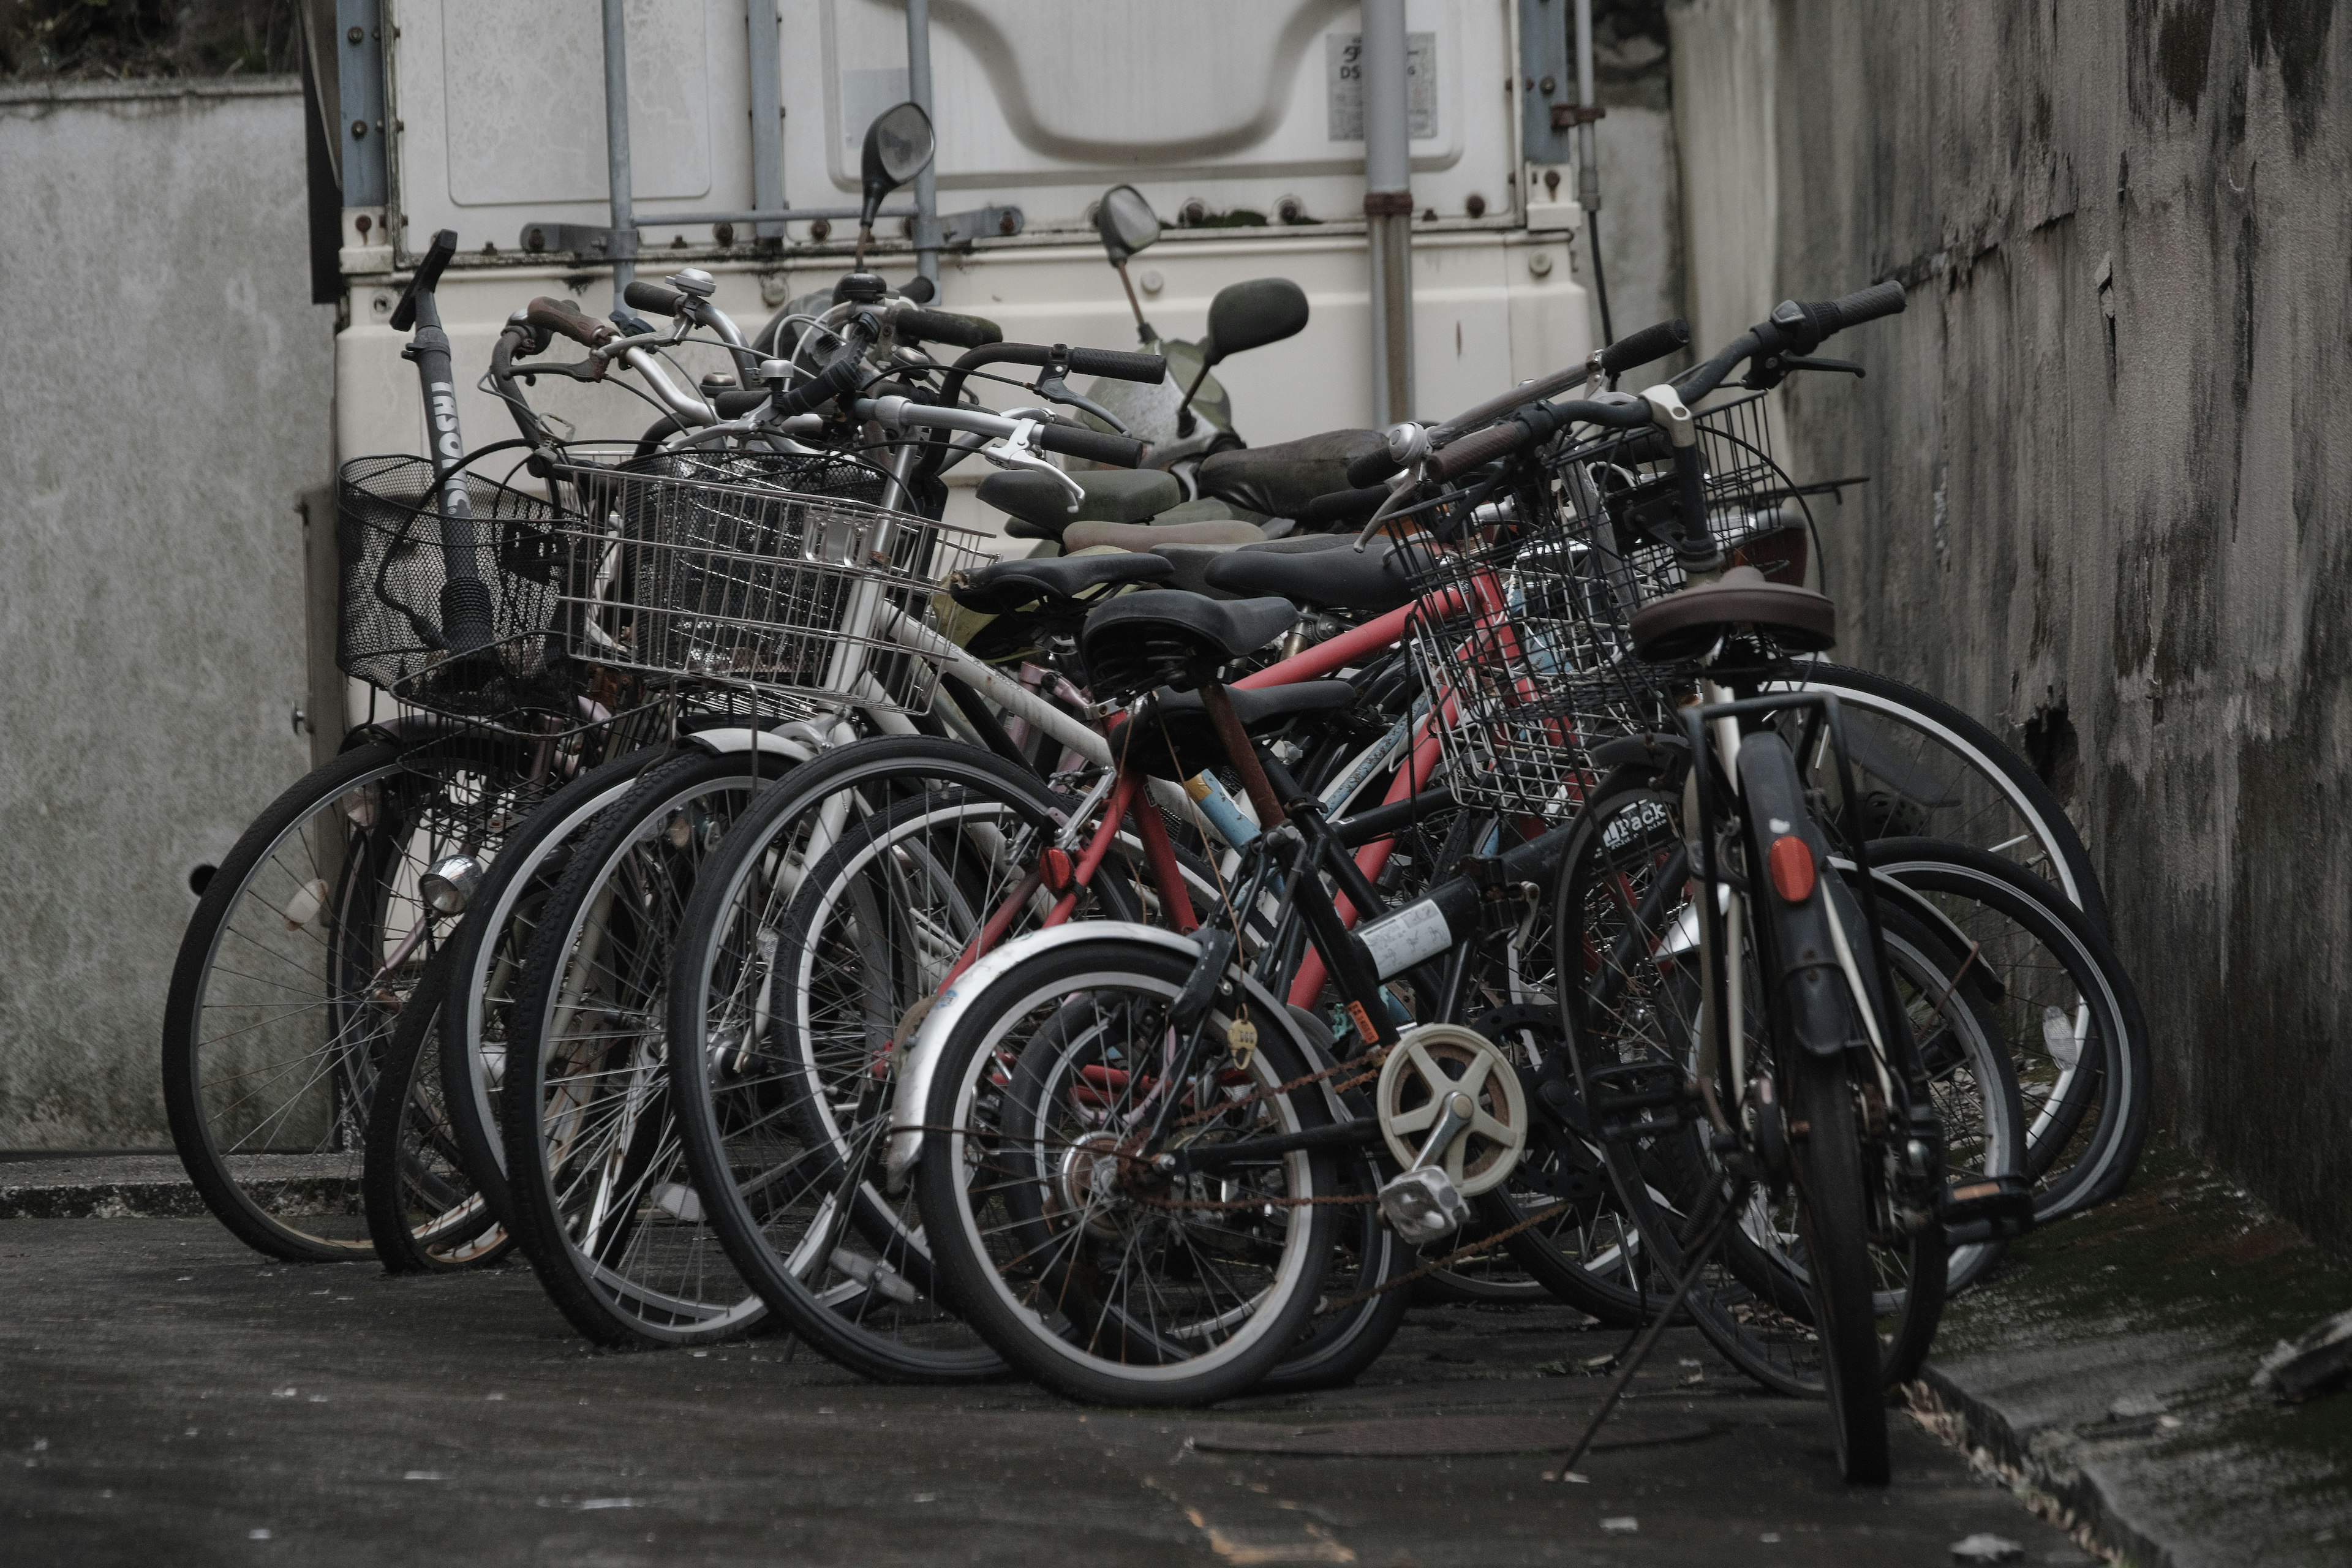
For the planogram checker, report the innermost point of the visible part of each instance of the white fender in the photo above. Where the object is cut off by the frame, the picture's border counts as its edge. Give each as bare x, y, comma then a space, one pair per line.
730, 742
921, 1061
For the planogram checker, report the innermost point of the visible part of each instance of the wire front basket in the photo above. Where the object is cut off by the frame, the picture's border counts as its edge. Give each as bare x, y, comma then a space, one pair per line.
701, 567
1533, 666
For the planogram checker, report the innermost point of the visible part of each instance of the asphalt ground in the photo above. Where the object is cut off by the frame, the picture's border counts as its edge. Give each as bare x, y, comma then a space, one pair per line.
168, 1396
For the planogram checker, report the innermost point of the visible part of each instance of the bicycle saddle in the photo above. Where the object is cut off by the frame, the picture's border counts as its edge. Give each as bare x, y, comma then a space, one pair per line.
1171, 736
1142, 536
1040, 509
1007, 585
1165, 636
1280, 480
1687, 622
1319, 569
1191, 562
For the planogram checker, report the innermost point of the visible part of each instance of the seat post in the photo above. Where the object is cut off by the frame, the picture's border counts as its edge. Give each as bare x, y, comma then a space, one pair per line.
1243, 753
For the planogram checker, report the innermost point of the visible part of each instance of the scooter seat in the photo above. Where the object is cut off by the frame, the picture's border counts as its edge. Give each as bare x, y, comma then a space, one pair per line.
1319, 569
1007, 585
1164, 636
1171, 736
1040, 508
1146, 536
1280, 480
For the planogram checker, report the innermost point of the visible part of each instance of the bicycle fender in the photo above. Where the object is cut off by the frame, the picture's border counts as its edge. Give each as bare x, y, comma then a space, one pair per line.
921, 1061
728, 743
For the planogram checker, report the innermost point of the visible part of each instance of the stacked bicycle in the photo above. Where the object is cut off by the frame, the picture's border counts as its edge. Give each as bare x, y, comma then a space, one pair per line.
1149, 966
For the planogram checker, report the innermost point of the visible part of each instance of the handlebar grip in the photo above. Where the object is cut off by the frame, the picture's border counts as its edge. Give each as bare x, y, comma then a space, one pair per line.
1149, 369
1653, 342
1826, 317
1094, 446
560, 317
1372, 469
945, 327
427, 279
645, 296
1482, 446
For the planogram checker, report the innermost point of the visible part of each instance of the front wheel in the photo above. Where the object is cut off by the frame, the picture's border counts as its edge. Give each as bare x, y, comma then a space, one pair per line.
1834, 1219
1058, 1187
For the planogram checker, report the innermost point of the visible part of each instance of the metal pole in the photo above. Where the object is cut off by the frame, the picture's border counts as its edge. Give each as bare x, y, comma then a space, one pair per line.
926, 184
1588, 170
624, 250
1387, 206
767, 114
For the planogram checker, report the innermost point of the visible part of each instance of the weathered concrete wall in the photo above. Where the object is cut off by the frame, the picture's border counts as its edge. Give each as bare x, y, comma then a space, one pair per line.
164, 384
2109, 511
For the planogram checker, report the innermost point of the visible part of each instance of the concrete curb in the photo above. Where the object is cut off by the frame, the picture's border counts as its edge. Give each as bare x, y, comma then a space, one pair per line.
2076, 1499
155, 1186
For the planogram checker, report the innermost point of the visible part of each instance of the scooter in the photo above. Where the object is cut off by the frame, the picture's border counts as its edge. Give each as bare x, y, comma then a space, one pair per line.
1189, 416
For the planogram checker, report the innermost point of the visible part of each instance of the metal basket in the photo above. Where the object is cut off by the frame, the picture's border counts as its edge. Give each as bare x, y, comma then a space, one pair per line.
701, 567
1535, 665
393, 566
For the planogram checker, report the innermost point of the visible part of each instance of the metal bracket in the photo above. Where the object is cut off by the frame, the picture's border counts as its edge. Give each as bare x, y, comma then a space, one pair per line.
981, 223
571, 238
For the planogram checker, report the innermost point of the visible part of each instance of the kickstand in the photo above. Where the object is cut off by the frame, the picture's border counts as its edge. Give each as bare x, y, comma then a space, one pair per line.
1717, 1230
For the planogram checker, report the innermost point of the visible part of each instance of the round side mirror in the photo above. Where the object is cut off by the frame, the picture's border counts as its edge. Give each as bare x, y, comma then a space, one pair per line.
1125, 222
1251, 315
899, 146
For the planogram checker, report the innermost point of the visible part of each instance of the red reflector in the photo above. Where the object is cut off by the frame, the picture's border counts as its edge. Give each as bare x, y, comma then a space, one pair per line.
1056, 872
1791, 865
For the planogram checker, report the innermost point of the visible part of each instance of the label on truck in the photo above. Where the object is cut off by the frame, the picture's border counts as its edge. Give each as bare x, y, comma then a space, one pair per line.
1397, 941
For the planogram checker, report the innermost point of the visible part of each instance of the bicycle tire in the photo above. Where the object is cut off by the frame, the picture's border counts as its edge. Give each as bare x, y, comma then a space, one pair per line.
1829, 1184
1086, 1342
609, 1218
424, 1213
341, 879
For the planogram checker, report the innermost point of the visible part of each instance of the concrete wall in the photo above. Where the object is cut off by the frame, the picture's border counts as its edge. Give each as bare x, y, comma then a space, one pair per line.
164, 388
2109, 510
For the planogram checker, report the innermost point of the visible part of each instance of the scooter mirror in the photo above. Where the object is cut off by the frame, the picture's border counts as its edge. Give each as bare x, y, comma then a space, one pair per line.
1252, 315
1125, 222
899, 146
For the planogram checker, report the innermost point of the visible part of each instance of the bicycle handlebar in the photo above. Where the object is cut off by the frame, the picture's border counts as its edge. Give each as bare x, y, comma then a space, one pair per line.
1652, 342
1796, 327
644, 296
843, 374
564, 318
1070, 440
427, 279
1094, 446
1535, 422
916, 324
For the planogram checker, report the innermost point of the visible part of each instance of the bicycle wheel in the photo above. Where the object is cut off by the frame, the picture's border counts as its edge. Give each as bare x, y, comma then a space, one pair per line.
293, 974
1623, 926
811, 948
2056, 997
1832, 1218
424, 1211
1057, 1232
603, 1204
1925, 769
485, 956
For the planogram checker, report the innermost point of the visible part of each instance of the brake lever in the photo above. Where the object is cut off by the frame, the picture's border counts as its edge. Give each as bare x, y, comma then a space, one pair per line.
1052, 387
1013, 451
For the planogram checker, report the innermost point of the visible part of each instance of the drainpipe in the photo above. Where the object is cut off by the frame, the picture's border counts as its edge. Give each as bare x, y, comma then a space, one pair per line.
1388, 206
1588, 167
623, 243
926, 184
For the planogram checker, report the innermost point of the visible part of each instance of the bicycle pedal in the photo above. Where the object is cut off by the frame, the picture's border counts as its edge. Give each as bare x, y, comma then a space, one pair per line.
1987, 1208
1632, 1097
1423, 1205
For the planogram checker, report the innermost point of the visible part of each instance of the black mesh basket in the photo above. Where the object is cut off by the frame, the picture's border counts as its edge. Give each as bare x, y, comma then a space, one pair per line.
1532, 666
393, 565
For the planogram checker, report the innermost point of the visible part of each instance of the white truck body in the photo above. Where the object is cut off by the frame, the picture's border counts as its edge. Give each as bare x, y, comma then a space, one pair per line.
493, 124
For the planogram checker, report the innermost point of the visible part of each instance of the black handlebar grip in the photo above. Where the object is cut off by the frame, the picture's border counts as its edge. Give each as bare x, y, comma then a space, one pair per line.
653, 297
1824, 317
1350, 507
563, 317
1653, 342
1149, 369
1094, 446
945, 327
1372, 467
427, 279
1470, 451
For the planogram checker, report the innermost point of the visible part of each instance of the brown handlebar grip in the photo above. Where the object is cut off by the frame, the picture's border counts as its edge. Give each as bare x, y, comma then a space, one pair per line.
563, 317
1482, 446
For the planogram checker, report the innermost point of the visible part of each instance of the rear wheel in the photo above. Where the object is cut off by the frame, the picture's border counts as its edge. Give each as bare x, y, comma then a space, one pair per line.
424, 1209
